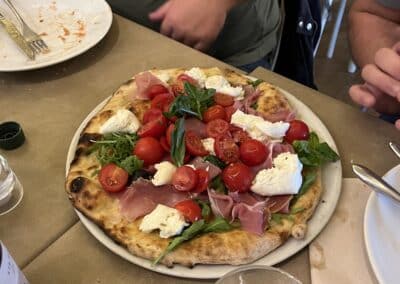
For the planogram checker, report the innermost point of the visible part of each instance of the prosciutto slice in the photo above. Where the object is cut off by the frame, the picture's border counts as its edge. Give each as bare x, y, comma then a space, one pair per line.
144, 81
197, 126
279, 203
252, 217
142, 197
212, 169
221, 204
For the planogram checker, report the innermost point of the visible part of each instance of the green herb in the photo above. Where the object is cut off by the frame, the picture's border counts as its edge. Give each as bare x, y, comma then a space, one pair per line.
312, 153
194, 103
178, 143
254, 105
278, 217
309, 178
215, 160
187, 234
131, 164
297, 210
218, 185
256, 82
218, 225
205, 208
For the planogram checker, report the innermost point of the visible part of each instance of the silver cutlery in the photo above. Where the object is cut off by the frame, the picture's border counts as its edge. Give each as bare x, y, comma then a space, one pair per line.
395, 148
34, 40
375, 182
17, 37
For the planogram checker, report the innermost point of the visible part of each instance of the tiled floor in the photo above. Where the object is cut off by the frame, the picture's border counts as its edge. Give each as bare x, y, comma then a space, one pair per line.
331, 75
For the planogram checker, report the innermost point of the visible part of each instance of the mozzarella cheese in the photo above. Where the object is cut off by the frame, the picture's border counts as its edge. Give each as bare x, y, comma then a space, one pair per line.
208, 144
165, 171
257, 127
221, 85
283, 178
123, 121
168, 220
197, 74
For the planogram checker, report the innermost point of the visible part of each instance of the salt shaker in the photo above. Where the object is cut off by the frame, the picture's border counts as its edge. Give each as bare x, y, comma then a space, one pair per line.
7, 181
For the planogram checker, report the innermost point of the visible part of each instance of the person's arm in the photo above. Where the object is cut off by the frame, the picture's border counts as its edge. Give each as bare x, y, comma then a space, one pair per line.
371, 26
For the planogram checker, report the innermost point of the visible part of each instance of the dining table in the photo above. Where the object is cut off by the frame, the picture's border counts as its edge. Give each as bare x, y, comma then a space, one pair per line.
44, 234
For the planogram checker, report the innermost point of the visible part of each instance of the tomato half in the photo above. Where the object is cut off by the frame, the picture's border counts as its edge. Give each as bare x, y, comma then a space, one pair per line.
156, 90
113, 178
237, 177
253, 152
164, 144
214, 112
203, 178
239, 135
217, 127
161, 101
151, 114
230, 110
154, 128
194, 145
184, 178
226, 149
178, 86
223, 100
298, 130
189, 209
149, 150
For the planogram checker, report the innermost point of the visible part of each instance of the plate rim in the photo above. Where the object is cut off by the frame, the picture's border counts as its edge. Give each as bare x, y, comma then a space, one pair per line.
69, 56
145, 263
373, 197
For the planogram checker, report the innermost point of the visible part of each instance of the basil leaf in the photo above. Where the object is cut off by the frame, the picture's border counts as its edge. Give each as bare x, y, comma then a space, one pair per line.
178, 143
218, 225
218, 185
205, 208
256, 82
214, 160
131, 164
187, 234
308, 179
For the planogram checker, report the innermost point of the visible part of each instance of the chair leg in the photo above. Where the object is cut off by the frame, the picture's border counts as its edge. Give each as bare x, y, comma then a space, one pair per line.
336, 29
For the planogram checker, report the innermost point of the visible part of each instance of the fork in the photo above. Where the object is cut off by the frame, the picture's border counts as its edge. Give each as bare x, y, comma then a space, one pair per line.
34, 40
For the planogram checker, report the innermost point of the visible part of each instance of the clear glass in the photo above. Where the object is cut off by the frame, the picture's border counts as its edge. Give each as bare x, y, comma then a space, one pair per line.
258, 274
10, 188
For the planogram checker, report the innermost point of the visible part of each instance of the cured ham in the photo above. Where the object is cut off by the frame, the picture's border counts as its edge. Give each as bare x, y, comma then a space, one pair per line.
144, 81
212, 169
252, 217
221, 204
197, 126
279, 203
142, 197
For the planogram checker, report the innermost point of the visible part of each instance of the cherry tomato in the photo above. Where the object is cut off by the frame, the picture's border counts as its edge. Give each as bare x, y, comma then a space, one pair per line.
193, 144
237, 177
164, 144
298, 130
170, 129
203, 178
149, 150
253, 152
213, 113
189, 209
161, 101
154, 128
113, 178
226, 149
156, 90
187, 78
151, 114
184, 178
238, 134
223, 100
229, 111
178, 87
217, 127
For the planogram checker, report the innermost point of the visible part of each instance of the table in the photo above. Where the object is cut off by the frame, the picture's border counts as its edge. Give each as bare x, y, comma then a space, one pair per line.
43, 234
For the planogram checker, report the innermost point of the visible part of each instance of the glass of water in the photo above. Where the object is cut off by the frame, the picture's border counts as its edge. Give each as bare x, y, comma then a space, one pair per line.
11, 191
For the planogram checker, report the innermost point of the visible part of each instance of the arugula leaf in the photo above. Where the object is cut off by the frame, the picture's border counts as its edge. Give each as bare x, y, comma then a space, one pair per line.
187, 234
215, 160
256, 82
278, 217
218, 185
205, 208
312, 153
196, 101
218, 225
178, 143
131, 164
254, 105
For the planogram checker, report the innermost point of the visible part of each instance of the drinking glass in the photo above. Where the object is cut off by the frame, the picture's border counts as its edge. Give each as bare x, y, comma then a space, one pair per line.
11, 191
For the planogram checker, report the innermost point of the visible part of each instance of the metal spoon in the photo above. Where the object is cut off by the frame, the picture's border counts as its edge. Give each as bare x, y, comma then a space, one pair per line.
395, 148
375, 182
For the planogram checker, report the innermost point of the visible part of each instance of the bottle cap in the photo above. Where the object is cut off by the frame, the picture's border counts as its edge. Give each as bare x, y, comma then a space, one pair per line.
11, 135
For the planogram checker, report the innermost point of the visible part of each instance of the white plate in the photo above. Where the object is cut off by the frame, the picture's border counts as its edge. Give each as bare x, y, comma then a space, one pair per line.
382, 232
331, 181
68, 27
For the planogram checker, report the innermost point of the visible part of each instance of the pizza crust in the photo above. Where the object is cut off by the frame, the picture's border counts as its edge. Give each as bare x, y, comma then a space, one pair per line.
234, 247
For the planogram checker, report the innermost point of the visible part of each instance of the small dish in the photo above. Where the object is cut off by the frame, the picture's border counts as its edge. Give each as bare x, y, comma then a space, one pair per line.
254, 274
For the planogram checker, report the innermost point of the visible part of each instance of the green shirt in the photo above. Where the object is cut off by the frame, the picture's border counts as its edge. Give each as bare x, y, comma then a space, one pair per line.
249, 33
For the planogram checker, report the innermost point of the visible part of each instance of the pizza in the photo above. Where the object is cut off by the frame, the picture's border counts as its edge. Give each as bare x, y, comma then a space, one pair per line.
198, 166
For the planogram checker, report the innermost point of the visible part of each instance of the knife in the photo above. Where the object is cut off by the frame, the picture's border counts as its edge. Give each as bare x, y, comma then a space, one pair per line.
375, 182
17, 37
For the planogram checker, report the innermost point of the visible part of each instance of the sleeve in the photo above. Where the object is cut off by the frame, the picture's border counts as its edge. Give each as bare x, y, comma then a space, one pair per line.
393, 4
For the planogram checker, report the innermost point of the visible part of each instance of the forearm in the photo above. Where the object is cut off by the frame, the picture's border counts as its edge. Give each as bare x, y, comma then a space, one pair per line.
371, 27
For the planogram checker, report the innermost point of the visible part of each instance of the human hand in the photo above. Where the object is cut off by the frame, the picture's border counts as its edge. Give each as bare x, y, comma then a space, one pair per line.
381, 90
196, 23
